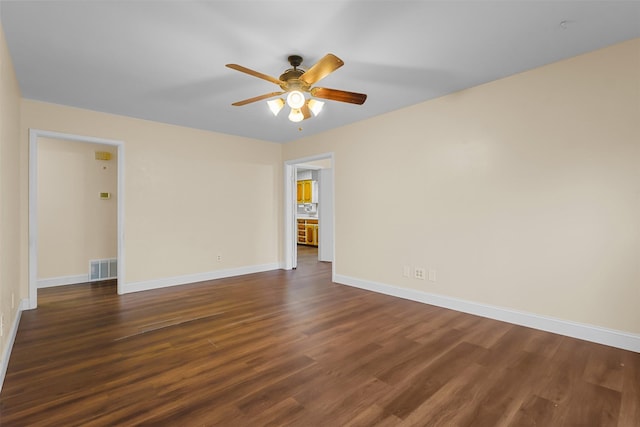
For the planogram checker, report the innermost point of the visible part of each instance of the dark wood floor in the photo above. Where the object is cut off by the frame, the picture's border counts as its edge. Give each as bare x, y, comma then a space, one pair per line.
292, 348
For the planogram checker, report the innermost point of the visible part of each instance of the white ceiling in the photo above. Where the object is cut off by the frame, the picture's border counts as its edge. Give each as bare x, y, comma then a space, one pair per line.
165, 60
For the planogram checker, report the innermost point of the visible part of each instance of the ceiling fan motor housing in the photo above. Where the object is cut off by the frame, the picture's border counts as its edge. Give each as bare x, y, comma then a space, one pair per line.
291, 77
291, 81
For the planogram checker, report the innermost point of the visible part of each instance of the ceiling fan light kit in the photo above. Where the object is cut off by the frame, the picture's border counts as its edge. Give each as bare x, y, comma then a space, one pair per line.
295, 99
295, 82
296, 115
275, 105
315, 106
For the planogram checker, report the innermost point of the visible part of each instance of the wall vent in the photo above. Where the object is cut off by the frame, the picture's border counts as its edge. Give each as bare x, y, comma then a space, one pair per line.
103, 269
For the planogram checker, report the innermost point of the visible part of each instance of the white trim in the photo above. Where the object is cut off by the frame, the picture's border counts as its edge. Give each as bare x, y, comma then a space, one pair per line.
597, 334
34, 134
147, 285
290, 232
6, 354
62, 280
33, 219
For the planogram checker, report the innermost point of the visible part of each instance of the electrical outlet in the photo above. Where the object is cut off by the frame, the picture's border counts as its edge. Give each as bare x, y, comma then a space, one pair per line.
432, 275
418, 273
406, 271
219, 258
1, 325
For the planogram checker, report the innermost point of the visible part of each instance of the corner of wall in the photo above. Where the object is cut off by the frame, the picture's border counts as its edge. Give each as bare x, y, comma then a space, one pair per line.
10, 197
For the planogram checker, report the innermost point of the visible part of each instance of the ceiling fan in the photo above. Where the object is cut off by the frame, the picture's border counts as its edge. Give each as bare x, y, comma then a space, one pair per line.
296, 81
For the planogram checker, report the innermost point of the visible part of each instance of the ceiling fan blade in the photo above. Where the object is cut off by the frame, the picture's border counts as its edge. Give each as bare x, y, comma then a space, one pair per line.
257, 98
321, 69
338, 95
306, 112
254, 73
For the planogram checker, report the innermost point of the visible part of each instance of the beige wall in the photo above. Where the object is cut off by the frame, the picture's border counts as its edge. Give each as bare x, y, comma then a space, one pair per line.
10, 218
189, 195
523, 193
74, 224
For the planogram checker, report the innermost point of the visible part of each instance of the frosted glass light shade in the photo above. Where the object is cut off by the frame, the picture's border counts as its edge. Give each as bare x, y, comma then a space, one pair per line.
295, 99
296, 115
275, 105
315, 106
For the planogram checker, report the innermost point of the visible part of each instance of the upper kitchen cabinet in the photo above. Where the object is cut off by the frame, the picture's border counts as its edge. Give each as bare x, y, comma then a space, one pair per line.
300, 191
307, 191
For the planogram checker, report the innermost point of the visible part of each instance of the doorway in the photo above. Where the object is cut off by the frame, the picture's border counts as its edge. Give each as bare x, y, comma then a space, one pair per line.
318, 169
37, 137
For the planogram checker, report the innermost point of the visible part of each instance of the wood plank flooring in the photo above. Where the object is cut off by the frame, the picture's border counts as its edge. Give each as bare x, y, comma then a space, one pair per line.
292, 348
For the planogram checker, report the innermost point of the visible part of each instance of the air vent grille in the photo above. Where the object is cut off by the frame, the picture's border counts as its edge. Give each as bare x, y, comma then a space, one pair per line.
103, 269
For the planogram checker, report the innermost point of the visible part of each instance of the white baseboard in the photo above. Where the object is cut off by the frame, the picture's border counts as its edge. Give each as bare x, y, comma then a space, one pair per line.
147, 285
62, 280
6, 354
597, 334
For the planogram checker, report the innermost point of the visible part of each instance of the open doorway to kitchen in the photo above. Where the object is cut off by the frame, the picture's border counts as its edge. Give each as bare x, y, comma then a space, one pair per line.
80, 177
309, 213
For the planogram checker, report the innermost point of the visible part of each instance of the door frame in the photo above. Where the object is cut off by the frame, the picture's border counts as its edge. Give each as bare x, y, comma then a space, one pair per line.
290, 226
34, 134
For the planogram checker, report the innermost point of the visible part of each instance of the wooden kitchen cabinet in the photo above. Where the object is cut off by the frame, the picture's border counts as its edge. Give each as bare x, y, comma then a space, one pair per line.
302, 232
308, 232
306, 191
311, 234
300, 191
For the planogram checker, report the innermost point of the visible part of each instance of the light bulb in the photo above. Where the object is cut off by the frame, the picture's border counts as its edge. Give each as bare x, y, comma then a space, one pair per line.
315, 106
295, 99
275, 105
296, 115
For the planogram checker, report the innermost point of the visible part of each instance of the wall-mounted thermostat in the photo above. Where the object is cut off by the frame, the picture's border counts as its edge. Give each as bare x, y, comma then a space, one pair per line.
105, 196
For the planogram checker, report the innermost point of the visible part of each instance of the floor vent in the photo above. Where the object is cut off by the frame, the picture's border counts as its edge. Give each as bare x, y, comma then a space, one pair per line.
103, 269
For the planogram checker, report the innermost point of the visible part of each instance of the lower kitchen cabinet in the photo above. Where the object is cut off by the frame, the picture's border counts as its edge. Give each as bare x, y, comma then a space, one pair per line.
302, 232
308, 232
